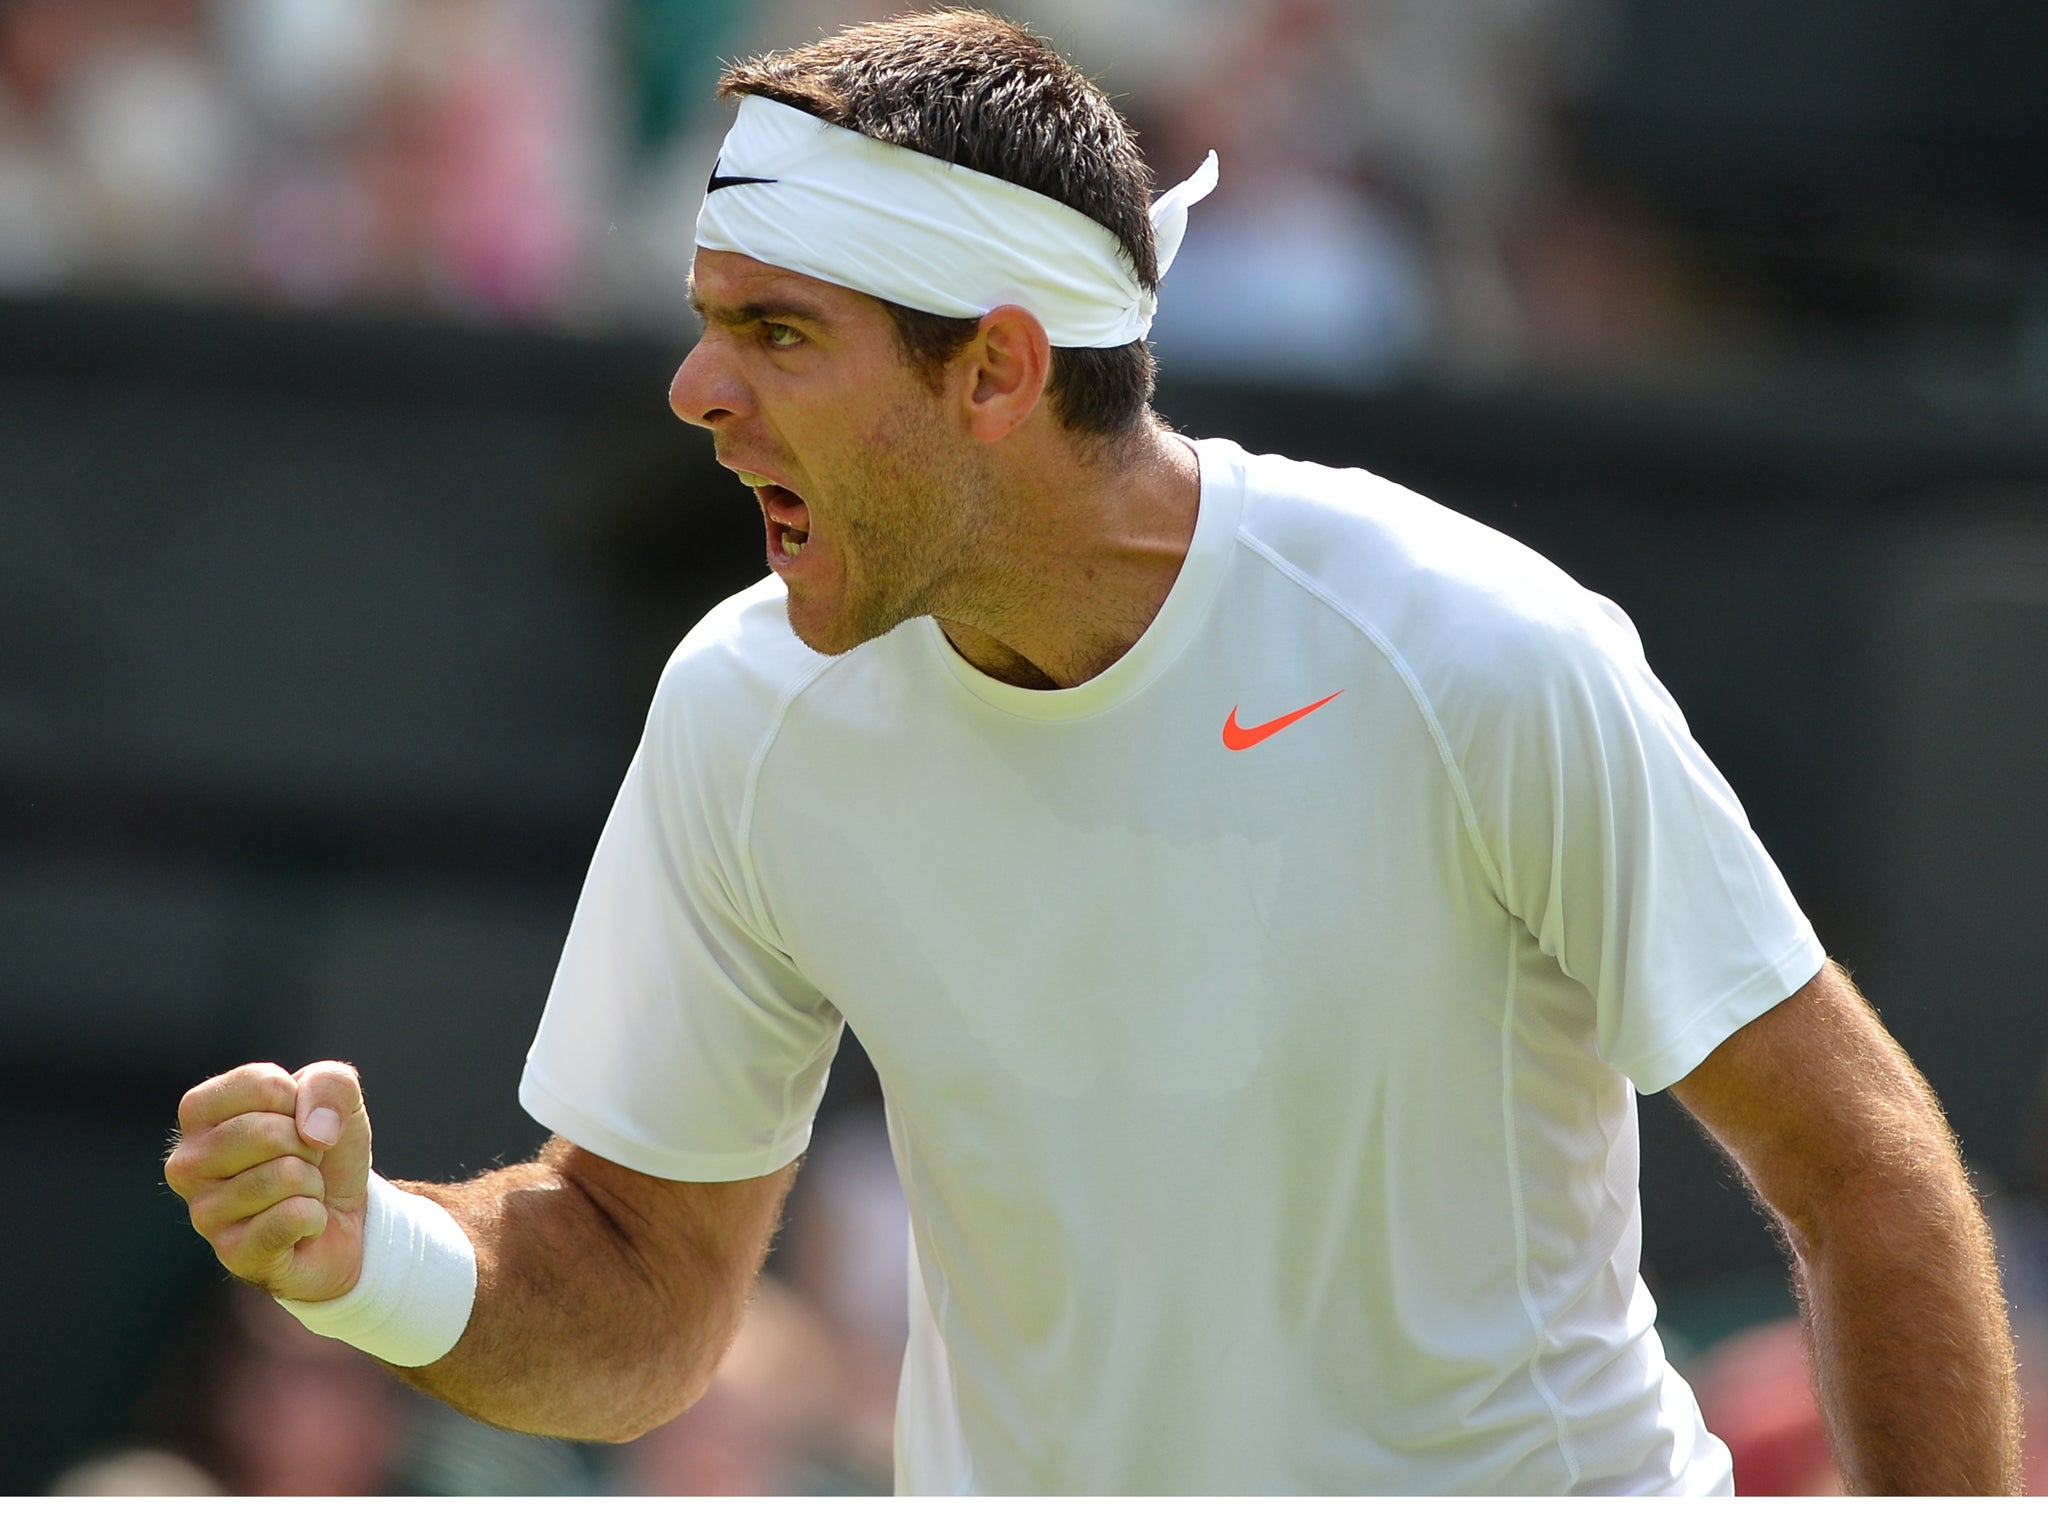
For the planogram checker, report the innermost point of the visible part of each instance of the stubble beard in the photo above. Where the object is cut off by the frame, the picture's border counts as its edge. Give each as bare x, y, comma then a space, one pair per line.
905, 533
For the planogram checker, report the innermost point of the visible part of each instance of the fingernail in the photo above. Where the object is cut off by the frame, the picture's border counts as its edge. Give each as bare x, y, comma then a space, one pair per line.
323, 1126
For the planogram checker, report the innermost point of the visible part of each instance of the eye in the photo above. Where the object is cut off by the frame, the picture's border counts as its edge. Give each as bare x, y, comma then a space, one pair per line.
779, 335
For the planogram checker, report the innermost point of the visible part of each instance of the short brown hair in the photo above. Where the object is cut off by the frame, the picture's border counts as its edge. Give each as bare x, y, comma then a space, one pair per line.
971, 88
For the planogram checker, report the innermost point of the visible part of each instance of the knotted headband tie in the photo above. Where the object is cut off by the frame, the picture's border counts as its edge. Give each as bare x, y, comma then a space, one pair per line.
794, 191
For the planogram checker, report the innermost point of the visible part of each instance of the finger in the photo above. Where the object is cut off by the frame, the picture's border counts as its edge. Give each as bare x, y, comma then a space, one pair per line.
332, 1087
328, 1101
260, 1248
253, 1191
232, 1147
257, 1086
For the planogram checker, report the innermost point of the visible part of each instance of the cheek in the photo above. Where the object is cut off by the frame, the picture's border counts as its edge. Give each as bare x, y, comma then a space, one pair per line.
908, 447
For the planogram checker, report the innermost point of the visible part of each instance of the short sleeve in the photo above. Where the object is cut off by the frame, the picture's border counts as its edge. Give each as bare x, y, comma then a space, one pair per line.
1620, 846
677, 1038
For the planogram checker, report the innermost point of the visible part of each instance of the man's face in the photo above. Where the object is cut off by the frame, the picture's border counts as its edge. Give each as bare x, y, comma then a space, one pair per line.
865, 486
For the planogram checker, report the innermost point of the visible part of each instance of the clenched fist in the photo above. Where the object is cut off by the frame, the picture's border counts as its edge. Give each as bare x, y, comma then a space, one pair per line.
275, 1167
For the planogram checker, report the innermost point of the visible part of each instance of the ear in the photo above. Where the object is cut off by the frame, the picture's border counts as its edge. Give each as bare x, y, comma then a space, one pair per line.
1007, 365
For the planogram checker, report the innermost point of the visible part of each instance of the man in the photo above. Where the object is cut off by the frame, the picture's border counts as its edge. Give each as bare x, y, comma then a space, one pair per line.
1256, 888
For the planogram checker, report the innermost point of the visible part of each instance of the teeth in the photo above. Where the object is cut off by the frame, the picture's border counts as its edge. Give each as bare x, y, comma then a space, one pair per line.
751, 480
790, 545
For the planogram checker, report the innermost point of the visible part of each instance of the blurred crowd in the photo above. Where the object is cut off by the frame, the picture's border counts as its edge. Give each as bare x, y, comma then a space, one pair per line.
307, 151
1392, 192
1408, 186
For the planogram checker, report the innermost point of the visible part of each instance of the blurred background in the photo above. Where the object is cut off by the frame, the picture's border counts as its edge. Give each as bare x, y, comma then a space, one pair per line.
344, 531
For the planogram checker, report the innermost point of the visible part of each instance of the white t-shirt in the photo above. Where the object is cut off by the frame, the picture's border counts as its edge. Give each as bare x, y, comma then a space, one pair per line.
1265, 1112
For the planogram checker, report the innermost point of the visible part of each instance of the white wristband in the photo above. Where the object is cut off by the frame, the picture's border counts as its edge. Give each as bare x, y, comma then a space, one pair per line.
412, 1300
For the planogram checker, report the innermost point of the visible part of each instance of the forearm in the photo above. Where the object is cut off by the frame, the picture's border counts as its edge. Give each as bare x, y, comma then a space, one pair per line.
1911, 1345
573, 1333
1843, 1140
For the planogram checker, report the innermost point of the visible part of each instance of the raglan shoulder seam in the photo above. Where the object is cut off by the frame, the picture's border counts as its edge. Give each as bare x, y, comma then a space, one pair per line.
743, 828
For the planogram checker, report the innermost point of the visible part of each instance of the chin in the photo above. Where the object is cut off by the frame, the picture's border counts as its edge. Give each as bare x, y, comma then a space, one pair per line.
828, 634
824, 645
834, 634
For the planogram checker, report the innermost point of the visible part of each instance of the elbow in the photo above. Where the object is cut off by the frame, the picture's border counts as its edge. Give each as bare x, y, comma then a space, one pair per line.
1910, 1211
662, 1379
631, 1429
669, 1401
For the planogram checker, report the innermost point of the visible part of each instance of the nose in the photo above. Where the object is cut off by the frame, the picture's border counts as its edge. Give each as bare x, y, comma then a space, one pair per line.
707, 390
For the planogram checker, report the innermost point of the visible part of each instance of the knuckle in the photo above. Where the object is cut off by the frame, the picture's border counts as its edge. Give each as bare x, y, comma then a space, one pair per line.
221, 1097
307, 1212
178, 1171
292, 1177
242, 1251
296, 1218
274, 1135
253, 1246
204, 1212
257, 1187
255, 1138
338, 1082
268, 1184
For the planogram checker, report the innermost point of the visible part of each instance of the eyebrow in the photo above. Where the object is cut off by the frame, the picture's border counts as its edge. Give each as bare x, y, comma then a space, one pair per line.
733, 316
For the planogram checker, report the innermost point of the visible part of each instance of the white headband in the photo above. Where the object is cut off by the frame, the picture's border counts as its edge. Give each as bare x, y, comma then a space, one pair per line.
797, 192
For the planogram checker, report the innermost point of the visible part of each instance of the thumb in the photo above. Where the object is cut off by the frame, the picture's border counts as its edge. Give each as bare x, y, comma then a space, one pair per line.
329, 1111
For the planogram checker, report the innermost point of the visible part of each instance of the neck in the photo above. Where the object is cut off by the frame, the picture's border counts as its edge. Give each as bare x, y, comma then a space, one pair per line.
1083, 551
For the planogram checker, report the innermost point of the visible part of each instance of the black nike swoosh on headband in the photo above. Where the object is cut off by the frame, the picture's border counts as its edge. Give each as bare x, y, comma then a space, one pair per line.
718, 181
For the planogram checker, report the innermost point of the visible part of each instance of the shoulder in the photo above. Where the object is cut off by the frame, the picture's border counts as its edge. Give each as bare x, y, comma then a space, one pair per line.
734, 675
1468, 613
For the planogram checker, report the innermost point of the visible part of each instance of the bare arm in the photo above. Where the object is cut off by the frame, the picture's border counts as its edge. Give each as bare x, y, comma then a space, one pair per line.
1841, 1138
605, 1297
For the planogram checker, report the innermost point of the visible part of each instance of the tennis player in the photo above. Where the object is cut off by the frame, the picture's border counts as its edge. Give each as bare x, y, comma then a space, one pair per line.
1262, 893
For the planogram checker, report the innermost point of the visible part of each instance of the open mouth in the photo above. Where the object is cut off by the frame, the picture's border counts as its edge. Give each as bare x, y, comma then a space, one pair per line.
789, 520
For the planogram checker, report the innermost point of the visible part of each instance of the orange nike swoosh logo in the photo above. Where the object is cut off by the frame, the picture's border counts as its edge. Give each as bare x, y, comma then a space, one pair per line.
1238, 737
